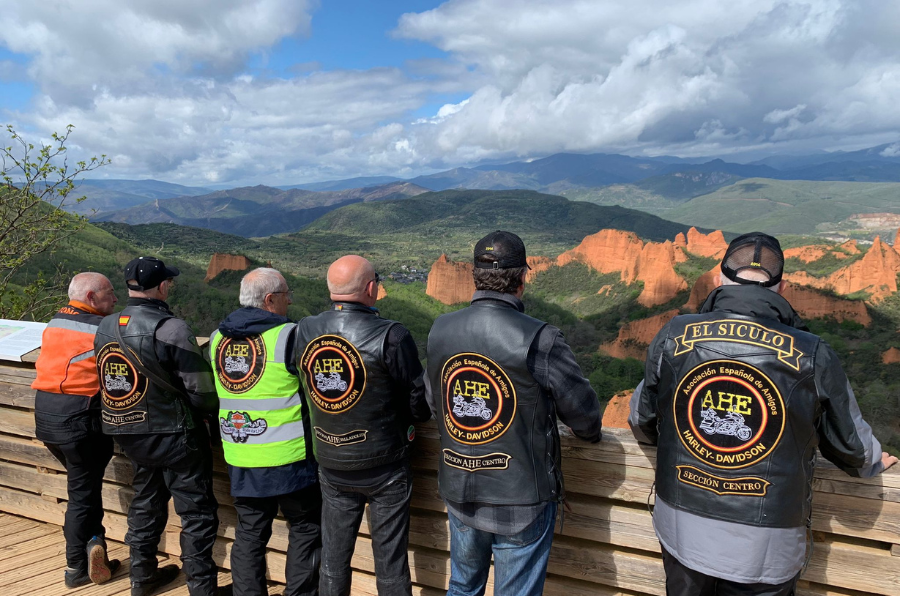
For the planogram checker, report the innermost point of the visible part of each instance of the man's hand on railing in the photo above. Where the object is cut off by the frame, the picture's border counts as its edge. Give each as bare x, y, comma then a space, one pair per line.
887, 460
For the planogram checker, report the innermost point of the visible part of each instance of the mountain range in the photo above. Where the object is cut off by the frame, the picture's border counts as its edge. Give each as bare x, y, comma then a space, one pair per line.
660, 185
255, 211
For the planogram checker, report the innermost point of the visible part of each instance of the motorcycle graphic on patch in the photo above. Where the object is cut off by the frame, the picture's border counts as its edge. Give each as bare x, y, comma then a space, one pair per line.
728, 414
478, 399
477, 408
333, 373
237, 364
240, 362
732, 424
117, 383
333, 382
240, 426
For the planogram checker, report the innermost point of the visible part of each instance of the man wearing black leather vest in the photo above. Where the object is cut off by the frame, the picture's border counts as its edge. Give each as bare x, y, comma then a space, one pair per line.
738, 397
496, 381
363, 380
156, 387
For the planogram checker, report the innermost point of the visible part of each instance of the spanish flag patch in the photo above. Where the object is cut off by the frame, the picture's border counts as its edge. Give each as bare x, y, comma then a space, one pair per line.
123, 320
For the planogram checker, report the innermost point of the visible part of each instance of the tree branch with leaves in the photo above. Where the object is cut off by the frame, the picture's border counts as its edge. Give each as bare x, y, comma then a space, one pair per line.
37, 184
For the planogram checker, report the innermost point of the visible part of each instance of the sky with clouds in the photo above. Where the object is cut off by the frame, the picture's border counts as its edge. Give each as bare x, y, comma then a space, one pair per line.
286, 91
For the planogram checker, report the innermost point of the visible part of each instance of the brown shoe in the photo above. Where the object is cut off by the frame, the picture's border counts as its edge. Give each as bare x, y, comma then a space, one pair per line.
100, 568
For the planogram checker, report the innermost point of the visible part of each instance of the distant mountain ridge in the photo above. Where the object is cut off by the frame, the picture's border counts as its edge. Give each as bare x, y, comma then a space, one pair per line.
112, 195
255, 210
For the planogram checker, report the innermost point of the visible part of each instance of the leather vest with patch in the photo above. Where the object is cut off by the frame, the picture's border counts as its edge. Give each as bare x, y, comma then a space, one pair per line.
737, 409
131, 403
357, 421
499, 442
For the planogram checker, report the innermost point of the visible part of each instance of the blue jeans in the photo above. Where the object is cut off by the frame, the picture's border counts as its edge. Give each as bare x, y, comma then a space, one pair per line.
520, 560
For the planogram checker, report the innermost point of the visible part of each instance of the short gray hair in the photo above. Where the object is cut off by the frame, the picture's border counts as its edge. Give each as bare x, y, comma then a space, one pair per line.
752, 275
82, 283
258, 283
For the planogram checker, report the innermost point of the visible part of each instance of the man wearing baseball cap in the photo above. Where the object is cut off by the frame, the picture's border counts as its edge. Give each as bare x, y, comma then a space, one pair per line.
738, 397
156, 387
496, 381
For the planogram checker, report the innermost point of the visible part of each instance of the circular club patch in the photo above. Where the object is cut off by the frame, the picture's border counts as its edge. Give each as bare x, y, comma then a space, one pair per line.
479, 399
335, 374
240, 363
728, 414
121, 386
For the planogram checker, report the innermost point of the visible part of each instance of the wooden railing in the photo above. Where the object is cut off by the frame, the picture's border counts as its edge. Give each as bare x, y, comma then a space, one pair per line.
606, 546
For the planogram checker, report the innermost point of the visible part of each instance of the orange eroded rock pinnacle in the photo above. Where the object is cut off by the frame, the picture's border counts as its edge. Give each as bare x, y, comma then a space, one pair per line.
615, 251
450, 282
224, 262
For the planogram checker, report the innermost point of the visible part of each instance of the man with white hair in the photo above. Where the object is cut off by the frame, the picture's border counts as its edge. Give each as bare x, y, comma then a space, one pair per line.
738, 397
67, 420
265, 430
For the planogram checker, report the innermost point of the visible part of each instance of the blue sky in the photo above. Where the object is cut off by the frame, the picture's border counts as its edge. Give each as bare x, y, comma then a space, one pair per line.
290, 91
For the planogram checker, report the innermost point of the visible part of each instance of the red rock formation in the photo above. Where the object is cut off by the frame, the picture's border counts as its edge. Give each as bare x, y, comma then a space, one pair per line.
224, 262
891, 356
680, 241
656, 268
705, 284
607, 251
616, 413
615, 251
382, 293
851, 247
537, 265
897, 239
449, 282
634, 337
807, 254
875, 273
706, 245
811, 304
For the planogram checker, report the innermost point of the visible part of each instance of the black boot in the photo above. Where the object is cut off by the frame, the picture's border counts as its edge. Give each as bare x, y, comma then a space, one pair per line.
161, 577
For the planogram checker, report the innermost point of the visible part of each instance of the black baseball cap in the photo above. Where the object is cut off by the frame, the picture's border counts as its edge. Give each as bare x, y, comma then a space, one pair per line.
507, 250
149, 272
757, 252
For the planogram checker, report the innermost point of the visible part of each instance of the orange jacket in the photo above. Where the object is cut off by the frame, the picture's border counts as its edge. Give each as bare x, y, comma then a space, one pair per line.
66, 363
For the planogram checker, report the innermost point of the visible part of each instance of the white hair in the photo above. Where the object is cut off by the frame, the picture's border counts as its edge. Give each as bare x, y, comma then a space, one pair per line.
82, 283
258, 283
752, 275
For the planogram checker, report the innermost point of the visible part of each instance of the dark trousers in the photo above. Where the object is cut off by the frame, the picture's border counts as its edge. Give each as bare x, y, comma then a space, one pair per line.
684, 581
85, 462
342, 511
181, 470
303, 511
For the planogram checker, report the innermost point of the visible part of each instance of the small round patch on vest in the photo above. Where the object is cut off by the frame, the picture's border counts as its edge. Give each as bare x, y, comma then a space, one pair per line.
479, 399
334, 372
121, 386
411, 433
240, 362
728, 414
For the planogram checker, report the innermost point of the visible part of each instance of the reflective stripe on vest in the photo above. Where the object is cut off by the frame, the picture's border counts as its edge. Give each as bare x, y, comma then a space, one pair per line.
260, 409
66, 362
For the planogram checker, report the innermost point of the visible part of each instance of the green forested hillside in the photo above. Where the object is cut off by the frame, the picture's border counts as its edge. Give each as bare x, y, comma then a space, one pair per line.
202, 305
414, 232
786, 206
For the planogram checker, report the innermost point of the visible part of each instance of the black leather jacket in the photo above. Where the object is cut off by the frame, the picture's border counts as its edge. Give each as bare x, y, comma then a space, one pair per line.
738, 397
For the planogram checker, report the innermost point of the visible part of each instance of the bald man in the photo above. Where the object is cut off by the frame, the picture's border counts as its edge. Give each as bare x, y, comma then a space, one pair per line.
67, 420
363, 380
